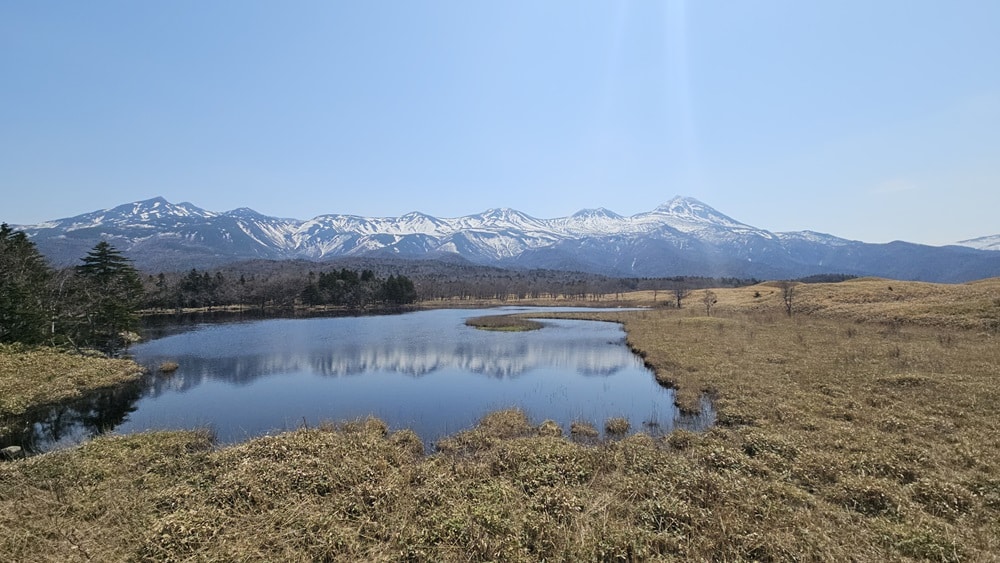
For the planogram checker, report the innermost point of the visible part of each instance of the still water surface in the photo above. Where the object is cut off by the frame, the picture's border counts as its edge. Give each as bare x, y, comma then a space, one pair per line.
425, 371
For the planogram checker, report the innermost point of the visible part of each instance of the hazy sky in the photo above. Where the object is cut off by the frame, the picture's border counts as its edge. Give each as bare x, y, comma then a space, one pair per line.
870, 120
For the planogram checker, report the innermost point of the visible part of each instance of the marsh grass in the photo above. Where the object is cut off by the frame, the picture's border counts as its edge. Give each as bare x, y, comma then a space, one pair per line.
617, 426
30, 377
583, 429
848, 432
503, 323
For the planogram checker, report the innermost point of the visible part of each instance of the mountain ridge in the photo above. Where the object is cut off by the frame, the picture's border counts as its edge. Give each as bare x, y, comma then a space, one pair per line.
683, 236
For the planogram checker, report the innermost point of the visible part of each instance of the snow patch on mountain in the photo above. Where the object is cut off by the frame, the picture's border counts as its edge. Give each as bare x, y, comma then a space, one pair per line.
681, 237
991, 242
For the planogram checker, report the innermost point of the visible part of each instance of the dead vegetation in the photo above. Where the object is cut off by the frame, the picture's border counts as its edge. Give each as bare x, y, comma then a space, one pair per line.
863, 427
503, 323
30, 377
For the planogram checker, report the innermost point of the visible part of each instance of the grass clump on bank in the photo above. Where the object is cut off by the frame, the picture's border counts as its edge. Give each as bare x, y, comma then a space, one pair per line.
617, 426
30, 377
503, 323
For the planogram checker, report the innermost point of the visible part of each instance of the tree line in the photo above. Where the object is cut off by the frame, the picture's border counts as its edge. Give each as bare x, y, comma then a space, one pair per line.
360, 283
92, 305
278, 289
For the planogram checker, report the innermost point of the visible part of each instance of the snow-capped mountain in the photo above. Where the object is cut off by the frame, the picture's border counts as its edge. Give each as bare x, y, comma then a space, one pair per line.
681, 237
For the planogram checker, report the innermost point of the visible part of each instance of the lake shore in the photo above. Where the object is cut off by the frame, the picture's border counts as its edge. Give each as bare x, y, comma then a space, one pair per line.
864, 426
34, 377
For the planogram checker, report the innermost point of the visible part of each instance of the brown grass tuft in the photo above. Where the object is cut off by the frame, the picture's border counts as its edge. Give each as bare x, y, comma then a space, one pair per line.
583, 429
617, 426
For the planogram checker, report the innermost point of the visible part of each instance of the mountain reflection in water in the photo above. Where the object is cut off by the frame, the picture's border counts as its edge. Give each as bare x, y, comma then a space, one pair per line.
426, 371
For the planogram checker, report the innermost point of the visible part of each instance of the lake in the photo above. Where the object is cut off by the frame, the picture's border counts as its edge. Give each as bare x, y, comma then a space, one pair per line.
426, 371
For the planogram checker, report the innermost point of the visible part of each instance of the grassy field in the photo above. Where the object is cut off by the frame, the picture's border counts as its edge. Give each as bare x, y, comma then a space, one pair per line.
864, 427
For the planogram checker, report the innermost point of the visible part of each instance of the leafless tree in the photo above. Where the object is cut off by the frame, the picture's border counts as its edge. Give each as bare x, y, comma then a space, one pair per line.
680, 293
787, 294
709, 300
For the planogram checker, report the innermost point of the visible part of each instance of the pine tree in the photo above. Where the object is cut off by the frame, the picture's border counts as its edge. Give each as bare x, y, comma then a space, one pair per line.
24, 289
109, 292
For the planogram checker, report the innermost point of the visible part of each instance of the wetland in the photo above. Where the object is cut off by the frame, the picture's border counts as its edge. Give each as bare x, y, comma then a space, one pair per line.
426, 371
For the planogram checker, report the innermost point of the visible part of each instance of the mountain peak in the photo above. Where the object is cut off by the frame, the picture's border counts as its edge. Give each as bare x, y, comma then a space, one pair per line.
599, 212
244, 212
417, 216
691, 210
158, 207
502, 212
505, 215
682, 204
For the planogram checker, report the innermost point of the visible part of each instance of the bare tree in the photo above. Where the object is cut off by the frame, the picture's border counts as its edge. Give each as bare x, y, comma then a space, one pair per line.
709, 300
680, 293
787, 294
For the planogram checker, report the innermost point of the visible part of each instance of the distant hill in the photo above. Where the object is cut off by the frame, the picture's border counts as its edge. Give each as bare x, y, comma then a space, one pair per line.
683, 237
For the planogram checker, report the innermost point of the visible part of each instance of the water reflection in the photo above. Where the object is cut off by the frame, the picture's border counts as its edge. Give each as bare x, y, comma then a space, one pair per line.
426, 371
75, 421
502, 359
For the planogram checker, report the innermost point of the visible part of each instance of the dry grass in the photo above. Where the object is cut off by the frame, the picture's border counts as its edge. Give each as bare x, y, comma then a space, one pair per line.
583, 429
617, 426
503, 323
875, 300
38, 376
860, 429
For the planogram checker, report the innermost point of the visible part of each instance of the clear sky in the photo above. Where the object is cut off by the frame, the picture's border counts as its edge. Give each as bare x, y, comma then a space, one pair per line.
871, 120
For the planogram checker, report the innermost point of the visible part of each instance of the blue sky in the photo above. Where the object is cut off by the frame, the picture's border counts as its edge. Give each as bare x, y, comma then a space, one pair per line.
868, 120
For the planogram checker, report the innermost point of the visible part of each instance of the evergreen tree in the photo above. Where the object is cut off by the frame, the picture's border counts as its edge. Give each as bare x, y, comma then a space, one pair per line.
24, 289
109, 292
398, 290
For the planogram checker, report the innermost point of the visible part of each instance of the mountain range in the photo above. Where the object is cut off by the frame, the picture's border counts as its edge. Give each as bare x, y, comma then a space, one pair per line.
683, 237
